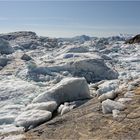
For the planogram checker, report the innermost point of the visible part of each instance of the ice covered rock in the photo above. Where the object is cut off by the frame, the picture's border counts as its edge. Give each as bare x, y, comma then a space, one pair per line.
32, 118
5, 47
107, 86
108, 95
69, 89
49, 106
109, 105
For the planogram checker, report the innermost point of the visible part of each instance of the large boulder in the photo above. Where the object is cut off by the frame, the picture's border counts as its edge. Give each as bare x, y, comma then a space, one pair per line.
69, 89
5, 47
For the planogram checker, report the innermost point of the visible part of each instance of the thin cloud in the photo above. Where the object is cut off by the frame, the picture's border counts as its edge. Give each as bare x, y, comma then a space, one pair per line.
36, 18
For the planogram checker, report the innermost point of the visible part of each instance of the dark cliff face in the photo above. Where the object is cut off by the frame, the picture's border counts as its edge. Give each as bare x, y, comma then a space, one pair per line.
135, 39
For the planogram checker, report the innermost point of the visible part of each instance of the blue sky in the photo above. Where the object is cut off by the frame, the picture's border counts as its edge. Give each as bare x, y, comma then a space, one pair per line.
70, 18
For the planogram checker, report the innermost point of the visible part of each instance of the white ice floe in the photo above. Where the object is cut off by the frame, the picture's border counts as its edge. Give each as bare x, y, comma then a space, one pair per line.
69, 89
109, 95
32, 118
107, 86
10, 128
49, 106
108, 106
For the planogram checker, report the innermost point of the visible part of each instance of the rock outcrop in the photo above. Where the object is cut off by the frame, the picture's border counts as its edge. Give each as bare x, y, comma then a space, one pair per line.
135, 39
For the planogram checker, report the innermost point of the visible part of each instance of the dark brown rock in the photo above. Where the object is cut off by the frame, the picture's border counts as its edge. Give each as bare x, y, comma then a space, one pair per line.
135, 39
